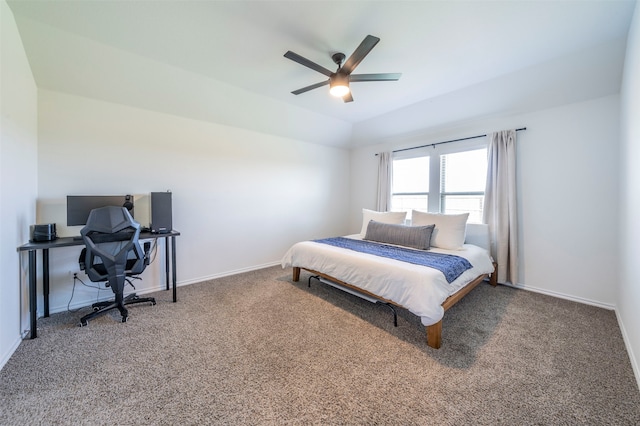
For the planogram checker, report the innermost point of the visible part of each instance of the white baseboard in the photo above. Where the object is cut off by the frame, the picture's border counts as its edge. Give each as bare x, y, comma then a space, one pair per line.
228, 273
632, 357
562, 296
10, 351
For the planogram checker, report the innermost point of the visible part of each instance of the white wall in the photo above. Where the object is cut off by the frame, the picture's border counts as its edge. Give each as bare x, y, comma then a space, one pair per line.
628, 298
568, 194
18, 179
240, 198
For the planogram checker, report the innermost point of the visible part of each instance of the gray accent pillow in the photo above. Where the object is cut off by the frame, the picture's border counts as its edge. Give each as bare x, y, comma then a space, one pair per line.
418, 237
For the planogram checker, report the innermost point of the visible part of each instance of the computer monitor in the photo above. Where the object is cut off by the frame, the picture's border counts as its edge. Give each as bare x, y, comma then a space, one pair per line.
79, 206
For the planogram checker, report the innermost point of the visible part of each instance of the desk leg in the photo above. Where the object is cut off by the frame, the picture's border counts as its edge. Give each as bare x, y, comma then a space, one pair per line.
45, 280
166, 261
173, 267
33, 301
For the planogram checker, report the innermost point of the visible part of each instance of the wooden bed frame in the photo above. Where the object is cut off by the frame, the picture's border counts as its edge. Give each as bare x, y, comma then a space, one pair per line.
434, 332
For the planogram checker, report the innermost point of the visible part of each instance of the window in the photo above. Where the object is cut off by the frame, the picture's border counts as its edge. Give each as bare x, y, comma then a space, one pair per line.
462, 181
446, 179
410, 184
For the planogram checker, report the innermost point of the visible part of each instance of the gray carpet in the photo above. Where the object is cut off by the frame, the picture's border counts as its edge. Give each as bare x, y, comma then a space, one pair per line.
255, 348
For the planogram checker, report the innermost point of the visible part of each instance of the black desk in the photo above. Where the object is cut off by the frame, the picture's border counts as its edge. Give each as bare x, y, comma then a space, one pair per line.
33, 247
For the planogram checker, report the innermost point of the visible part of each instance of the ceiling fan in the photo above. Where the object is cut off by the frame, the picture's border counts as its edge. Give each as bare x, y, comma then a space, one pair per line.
339, 81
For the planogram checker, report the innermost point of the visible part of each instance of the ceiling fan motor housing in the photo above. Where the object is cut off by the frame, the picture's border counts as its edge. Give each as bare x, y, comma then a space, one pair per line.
338, 58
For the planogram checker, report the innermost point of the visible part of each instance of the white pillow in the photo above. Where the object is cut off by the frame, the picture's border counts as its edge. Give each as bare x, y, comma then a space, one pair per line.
383, 217
450, 229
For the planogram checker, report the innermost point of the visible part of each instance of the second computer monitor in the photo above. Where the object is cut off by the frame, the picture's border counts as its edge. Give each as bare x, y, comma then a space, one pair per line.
79, 206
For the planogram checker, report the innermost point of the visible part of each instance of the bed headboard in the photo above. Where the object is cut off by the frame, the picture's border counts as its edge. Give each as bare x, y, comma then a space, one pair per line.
478, 234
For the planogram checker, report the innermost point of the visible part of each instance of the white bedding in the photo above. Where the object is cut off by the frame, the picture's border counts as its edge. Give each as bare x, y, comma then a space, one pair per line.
420, 289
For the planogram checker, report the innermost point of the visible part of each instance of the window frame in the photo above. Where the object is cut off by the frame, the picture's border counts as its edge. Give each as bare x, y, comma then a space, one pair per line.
434, 196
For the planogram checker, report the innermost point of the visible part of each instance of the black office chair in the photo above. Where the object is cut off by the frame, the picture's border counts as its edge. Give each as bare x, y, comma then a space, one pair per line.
113, 254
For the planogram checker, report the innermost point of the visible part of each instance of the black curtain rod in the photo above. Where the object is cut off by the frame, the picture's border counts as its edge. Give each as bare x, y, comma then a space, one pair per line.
440, 143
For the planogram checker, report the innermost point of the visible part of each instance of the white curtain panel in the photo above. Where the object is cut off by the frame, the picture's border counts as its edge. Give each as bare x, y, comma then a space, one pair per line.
500, 211
384, 182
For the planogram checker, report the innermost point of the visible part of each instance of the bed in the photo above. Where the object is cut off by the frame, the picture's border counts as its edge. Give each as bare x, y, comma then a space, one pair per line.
422, 290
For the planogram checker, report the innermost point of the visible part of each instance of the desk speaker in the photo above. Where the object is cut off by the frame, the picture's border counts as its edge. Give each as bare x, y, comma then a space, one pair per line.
161, 213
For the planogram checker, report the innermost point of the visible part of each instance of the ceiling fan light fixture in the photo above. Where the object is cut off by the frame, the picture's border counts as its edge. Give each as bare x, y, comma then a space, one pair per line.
339, 85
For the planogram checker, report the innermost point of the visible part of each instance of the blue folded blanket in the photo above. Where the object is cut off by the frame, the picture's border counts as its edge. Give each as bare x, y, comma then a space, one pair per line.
451, 266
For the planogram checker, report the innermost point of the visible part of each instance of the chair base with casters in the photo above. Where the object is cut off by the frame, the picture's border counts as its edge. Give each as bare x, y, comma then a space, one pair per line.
102, 307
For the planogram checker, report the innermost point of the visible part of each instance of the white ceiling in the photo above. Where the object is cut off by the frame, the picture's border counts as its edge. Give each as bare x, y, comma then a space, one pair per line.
232, 52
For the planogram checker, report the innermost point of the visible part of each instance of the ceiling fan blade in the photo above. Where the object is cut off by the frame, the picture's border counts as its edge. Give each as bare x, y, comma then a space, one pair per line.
307, 88
347, 98
375, 77
307, 63
358, 55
